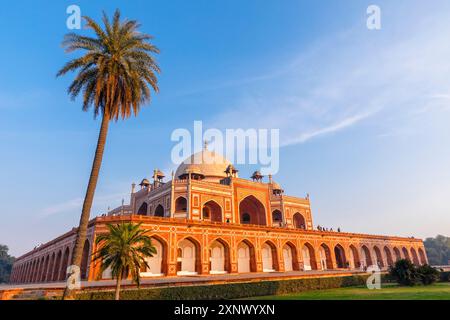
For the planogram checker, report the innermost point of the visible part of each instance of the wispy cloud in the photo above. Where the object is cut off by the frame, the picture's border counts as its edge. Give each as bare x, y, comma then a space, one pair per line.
348, 79
345, 123
75, 204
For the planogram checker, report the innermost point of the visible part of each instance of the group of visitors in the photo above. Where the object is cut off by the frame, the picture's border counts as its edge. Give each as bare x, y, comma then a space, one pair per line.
320, 228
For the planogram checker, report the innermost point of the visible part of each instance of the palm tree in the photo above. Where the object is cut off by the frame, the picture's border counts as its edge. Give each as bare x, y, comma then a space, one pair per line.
115, 77
124, 250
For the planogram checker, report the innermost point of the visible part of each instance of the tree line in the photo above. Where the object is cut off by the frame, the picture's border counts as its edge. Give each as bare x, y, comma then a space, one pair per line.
6, 263
438, 250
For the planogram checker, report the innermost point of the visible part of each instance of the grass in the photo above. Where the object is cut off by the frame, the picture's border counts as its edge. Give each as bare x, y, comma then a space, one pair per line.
438, 291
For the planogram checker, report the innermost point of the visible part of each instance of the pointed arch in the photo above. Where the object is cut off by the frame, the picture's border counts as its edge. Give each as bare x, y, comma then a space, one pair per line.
40, 269
269, 257
378, 257
405, 254
339, 254
246, 257
189, 256
415, 258
219, 256
326, 261
211, 210
290, 257
143, 209
36, 270
299, 221
157, 264
277, 217
49, 276
57, 266
250, 208
398, 255
180, 205
159, 211
367, 258
354, 257
423, 259
45, 269
29, 270
309, 257
85, 261
64, 265
387, 253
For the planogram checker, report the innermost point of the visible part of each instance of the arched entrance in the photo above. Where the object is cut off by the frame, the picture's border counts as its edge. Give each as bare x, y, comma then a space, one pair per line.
143, 209
290, 257
325, 257
39, 269
339, 254
269, 257
180, 205
50, 268
253, 211
219, 257
398, 256
406, 254
388, 255
246, 257
107, 273
277, 218
415, 258
188, 257
64, 265
367, 258
159, 211
309, 257
379, 257
45, 270
57, 266
423, 260
354, 258
299, 221
85, 261
212, 211
155, 263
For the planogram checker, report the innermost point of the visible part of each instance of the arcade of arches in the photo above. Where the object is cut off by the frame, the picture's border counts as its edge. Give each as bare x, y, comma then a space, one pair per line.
221, 255
208, 220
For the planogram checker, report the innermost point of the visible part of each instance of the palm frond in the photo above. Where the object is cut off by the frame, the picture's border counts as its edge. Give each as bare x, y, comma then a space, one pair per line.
117, 71
124, 249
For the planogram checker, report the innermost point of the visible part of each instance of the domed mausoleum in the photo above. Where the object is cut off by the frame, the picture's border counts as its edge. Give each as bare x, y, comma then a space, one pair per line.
206, 220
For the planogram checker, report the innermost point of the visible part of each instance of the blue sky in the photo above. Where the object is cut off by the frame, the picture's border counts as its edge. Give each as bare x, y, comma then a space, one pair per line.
364, 115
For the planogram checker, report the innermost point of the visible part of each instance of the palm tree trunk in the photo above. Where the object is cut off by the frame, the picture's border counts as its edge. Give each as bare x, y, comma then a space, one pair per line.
119, 279
88, 199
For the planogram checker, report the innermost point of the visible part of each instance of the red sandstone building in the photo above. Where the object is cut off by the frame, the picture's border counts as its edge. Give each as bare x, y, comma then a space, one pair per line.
207, 220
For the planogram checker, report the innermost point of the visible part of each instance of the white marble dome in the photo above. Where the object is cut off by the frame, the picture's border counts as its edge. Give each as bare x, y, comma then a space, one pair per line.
208, 163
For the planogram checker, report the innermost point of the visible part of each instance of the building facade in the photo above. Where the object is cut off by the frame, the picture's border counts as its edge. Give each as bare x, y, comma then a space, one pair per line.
206, 220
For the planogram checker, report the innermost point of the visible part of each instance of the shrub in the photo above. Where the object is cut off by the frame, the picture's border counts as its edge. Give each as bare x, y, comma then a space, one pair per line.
427, 274
404, 272
230, 290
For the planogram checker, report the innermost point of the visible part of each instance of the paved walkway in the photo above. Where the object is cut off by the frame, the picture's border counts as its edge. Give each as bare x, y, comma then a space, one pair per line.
189, 280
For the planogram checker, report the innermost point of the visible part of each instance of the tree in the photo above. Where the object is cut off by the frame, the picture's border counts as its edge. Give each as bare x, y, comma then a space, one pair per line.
427, 274
6, 263
438, 250
115, 77
124, 249
407, 274
404, 272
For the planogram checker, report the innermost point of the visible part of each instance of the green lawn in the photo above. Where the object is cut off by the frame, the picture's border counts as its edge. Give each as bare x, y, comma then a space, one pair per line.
439, 291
